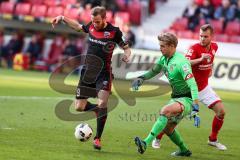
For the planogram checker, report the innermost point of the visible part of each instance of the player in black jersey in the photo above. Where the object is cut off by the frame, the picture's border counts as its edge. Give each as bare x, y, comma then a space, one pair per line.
96, 75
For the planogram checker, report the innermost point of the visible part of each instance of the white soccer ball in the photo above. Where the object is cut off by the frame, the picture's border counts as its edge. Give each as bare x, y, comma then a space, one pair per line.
83, 132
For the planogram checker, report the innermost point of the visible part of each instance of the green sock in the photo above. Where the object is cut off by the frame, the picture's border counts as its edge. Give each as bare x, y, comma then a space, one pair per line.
177, 139
158, 126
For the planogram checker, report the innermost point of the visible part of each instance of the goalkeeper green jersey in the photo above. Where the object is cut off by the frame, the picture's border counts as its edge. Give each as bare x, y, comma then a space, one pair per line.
179, 73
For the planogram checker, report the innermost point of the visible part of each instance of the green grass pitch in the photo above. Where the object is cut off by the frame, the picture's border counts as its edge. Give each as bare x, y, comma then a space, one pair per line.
30, 129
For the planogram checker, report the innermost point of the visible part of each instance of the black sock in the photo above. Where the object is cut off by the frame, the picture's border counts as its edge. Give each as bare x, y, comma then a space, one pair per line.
90, 107
101, 119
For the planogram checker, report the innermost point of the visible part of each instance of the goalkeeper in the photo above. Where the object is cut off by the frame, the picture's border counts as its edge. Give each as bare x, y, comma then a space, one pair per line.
184, 97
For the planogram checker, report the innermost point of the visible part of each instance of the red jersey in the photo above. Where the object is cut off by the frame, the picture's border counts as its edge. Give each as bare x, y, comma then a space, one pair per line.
202, 70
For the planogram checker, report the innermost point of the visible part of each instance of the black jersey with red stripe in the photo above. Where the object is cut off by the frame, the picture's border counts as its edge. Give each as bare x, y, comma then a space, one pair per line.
101, 43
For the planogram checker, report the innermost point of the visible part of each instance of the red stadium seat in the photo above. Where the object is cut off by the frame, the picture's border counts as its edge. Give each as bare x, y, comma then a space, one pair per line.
23, 9
120, 19
7, 7
124, 16
54, 11
67, 2
41, 10
85, 16
234, 39
233, 28
221, 38
185, 34
196, 36
199, 2
152, 6
51, 3
33, 2
216, 3
121, 5
134, 10
71, 13
217, 25
180, 24
109, 16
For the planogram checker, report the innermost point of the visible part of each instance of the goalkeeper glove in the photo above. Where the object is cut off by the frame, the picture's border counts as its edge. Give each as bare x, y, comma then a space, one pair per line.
195, 116
137, 83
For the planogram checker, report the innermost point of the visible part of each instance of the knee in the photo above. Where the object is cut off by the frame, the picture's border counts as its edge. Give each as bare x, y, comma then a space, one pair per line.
221, 114
165, 112
79, 106
102, 104
168, 131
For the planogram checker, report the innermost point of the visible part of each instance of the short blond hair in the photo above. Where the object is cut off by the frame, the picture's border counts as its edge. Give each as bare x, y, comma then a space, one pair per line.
169, 38
206, 27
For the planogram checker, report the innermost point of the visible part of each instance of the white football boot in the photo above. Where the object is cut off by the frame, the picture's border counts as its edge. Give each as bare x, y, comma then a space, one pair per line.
217, 145
156, 143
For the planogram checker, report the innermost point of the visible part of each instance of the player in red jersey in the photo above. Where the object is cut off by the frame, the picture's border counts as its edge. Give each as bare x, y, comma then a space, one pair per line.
201, 56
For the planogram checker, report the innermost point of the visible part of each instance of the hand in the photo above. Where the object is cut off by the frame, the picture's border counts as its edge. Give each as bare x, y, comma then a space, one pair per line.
56, 20
205, 56
137, 83
194, 115
125, 58
197, 121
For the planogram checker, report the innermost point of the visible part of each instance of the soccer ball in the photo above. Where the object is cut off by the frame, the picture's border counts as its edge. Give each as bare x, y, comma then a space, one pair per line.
83, 132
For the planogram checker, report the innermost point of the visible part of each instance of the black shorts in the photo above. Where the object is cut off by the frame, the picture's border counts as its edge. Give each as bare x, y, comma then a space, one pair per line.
90, 84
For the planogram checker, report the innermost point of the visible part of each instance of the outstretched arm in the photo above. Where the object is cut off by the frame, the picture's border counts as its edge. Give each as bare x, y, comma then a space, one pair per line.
157, 68
70, 22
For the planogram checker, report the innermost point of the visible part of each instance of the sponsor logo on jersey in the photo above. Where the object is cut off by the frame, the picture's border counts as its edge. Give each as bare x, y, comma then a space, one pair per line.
106, 34
172, 67
185, 68
190, 75
97, 41
190, 52
105, 83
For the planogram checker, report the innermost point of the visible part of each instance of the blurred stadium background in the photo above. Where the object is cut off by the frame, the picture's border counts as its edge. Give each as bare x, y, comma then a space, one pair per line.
30, 50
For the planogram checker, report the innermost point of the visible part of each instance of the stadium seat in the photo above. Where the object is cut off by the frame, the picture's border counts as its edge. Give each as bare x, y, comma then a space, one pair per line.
217, 25
67, 2
196, 36
54, 11
7, 7
134, 10
180, 24
234, 39
152, 6
216, 3
124, 16
85, 16
185, 34
120, 19
221, 38
33, 2
233, 28
109, 16
51, 3
121, 5
23, 9
199, 2
41, 10
71, 13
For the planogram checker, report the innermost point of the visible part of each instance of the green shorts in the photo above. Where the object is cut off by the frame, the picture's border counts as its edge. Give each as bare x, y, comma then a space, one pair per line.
187, 104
